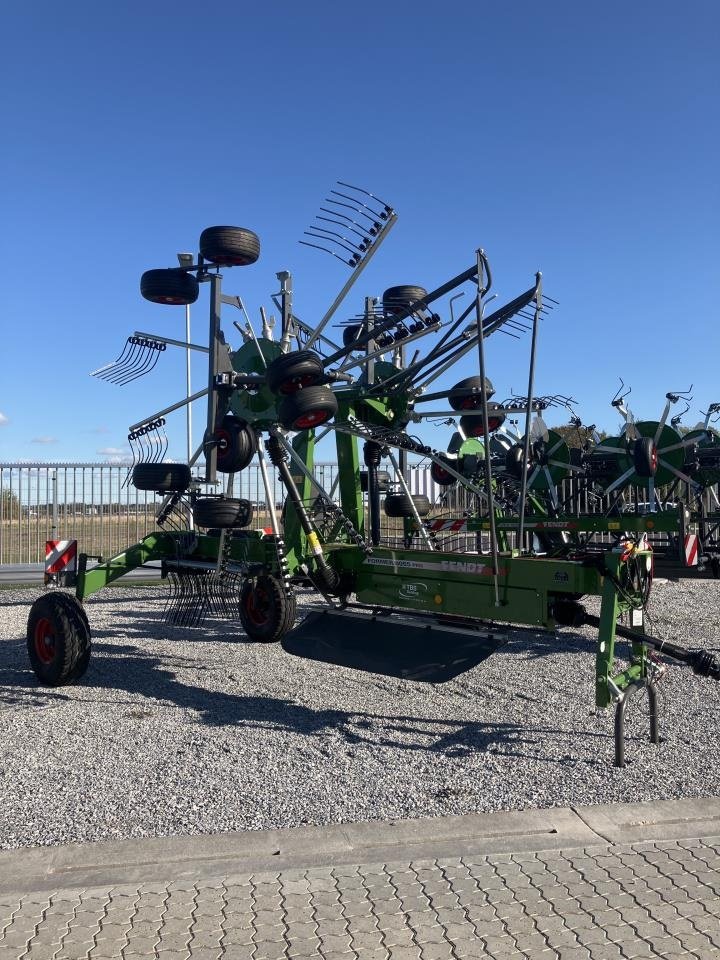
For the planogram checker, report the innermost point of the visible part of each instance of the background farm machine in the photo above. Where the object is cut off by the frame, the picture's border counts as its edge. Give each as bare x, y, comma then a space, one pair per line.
530, 548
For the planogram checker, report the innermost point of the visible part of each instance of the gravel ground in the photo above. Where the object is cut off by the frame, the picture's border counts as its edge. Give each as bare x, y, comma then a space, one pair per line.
189, 731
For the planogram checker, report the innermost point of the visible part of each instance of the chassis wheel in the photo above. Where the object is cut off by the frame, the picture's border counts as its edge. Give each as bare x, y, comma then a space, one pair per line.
169, 286
222, 513
291, 372
460, 397
514, 459
645, 458
383, 477
396, 299
161, 477
399, 505
229, 246
351, 334
236, 444
58, 639
307, 408
267, 610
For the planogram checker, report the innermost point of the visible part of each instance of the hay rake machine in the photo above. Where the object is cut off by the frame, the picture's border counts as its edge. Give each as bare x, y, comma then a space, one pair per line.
407, 608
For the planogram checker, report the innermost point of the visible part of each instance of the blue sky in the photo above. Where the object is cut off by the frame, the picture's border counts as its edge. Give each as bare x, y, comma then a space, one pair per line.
578, 139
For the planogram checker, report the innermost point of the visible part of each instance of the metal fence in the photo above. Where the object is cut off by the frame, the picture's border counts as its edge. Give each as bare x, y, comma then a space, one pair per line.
97, 505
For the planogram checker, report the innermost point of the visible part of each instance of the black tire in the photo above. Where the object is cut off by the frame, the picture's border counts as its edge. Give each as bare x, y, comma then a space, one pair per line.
235, 443
473, 426
267, 610
396, 299
172, 287
441, 476
307, 408
229, 246
645, 458
222, 513
383, 480
58, 640
351, 333
75, 609
399, 505
291, 372
161, 477
460, 398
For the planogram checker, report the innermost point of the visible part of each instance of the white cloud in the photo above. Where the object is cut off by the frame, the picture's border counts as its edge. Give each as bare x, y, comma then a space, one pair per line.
3, 420
43, 440
113, 452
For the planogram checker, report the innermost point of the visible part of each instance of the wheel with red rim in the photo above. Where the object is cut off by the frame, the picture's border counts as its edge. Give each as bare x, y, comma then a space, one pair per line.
58, 639
173, 287
229, 246
441, 476
291, 372
236, 445
466, 395
645, 457
307, 408
267, 610
473, 426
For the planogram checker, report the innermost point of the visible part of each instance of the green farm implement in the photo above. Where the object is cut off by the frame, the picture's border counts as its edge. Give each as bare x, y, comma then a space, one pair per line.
531, 559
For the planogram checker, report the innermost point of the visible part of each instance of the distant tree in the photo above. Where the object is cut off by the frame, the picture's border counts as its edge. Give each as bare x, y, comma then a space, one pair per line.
9, 504
576, 436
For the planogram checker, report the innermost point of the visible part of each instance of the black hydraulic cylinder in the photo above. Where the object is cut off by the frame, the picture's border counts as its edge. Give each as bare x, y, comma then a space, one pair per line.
372, 452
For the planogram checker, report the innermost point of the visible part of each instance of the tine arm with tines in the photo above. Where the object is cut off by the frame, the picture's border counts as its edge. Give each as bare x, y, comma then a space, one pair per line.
109, 367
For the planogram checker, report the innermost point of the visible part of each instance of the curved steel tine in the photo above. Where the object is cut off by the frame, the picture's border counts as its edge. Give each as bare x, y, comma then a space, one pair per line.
338, 223
382, 214
350, 249
366, 192
339, 203
140, 365
349, 263
119, 371
153, 350
372, 231
108, 367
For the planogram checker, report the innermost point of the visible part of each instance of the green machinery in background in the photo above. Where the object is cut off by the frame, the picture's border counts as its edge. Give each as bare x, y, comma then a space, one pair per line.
387, 596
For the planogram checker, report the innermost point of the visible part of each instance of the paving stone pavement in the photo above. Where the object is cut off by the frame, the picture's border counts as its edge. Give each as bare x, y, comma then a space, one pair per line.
603, 902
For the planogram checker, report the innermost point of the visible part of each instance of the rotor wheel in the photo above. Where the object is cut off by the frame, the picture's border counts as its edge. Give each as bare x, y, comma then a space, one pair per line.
236, 444
669, 454
172, 286
307, 408
383, 477
229, 246
351, 334
291, 372
396, 299
225, 513
267, 609
58, 639
400, 505
439, 475
466, 395
161, 477
645, 457
473, 426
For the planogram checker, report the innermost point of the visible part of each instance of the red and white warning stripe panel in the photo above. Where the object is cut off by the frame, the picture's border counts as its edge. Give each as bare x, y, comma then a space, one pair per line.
691, 549
60, 556
457, 526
